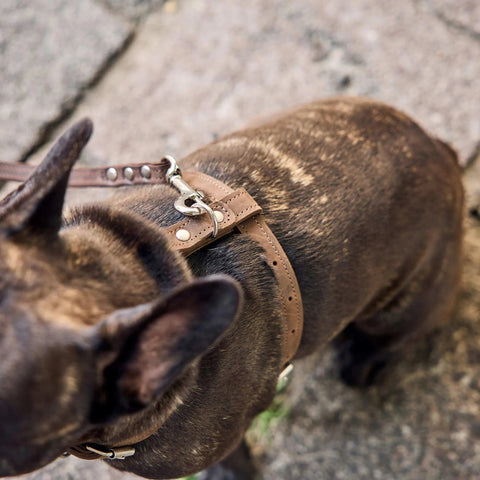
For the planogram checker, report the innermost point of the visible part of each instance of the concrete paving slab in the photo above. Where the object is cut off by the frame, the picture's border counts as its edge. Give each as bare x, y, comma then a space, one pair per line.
205, 70
50, 50
211, 67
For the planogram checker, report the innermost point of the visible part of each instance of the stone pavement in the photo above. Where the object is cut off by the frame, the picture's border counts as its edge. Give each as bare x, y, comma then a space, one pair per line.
50, 50
166, 77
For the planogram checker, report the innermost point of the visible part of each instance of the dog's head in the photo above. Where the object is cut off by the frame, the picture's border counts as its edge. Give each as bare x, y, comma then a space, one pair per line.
76, 353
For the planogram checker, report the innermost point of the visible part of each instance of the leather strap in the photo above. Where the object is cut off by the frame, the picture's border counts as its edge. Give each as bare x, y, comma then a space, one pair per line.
235, 209
290, 296
241, 211
117, 176
80, 451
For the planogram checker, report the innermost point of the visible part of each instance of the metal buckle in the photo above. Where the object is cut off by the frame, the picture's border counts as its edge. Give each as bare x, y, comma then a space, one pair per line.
285, 378
118, 453
190, 202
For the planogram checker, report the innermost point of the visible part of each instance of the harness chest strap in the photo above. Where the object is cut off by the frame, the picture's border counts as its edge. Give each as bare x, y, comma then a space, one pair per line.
241, 211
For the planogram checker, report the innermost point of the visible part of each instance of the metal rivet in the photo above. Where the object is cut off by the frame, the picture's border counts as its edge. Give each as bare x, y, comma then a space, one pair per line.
111, 174
219, 216
183, 235
146, 171
128, 173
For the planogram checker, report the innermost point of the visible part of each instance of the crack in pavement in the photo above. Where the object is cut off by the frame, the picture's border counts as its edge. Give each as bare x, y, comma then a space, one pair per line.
68, 107
452, 23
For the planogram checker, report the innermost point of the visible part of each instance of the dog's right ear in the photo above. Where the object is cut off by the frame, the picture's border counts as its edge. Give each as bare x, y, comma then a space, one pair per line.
142, 351
36, 205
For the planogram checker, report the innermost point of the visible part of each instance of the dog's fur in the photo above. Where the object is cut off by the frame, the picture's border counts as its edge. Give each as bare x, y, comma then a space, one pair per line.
106, 331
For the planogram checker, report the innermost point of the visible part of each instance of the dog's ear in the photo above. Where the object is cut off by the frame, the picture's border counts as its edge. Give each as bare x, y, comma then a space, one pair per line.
36, 205
144, 350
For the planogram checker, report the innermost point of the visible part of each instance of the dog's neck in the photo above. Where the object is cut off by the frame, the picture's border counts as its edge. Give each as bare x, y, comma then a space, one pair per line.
240, 251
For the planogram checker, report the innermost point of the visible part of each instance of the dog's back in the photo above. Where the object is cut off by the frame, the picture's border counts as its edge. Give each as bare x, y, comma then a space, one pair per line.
364, 202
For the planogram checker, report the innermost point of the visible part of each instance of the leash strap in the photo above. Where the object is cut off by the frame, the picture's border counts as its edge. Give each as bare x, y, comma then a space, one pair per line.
117, 176
229, 209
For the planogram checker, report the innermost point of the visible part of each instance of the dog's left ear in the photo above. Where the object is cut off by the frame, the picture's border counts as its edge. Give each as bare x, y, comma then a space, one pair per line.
143, 350
36, 205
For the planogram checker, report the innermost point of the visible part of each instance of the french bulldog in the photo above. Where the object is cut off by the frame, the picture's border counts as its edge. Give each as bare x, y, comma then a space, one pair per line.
108, 332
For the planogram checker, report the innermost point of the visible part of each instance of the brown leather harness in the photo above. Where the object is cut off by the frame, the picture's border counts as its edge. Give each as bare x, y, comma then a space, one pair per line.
213, 210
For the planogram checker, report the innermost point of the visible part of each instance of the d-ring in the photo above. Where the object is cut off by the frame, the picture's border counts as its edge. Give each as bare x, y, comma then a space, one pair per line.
203, 206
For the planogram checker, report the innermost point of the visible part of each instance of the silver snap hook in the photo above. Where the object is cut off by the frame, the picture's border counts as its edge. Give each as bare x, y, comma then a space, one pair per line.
190, 202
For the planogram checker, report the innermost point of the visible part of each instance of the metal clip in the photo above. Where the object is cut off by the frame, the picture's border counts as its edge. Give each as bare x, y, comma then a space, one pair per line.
118, 453
190, 202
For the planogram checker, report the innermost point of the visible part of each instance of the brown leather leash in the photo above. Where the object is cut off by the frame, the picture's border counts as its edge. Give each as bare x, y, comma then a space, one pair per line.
212, 210
118, 176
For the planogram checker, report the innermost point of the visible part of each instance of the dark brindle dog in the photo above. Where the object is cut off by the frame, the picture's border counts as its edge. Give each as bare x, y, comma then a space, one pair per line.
108, 335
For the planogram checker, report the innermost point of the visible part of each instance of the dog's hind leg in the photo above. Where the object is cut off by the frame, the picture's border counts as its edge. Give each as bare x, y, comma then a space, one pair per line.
427, 301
